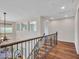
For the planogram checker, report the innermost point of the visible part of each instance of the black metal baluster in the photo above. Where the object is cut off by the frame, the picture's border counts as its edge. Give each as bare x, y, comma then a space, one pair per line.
38, 47
17, 46
54, 41
12, 51
56, 37
17, 50
34, 49
25, 51
46, 38
31, 48
22, 50
28, 49
51, 40
5, 53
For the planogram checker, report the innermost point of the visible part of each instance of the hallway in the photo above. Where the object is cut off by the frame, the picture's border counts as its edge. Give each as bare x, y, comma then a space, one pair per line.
39, 29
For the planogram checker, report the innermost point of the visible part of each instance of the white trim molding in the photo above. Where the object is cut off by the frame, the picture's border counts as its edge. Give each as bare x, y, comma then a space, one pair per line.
77, 30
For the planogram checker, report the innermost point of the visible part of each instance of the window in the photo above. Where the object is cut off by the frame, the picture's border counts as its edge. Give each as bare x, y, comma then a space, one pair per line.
8, 28
18, 27
33, 26
21, 27
30, 26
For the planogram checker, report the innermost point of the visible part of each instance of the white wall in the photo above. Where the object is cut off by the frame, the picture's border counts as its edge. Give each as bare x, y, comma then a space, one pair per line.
44, 25
77, 30
22, 35
64, 27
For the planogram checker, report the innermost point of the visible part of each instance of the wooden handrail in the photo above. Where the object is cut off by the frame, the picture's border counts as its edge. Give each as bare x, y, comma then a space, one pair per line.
14, 43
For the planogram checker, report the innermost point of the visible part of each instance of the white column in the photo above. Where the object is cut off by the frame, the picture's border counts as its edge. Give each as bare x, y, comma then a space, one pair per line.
77, 31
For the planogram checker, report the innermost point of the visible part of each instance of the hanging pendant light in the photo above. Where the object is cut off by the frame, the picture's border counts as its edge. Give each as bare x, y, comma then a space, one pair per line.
4, 38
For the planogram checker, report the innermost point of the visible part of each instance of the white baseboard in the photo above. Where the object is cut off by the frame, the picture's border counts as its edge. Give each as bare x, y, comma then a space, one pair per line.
66, 41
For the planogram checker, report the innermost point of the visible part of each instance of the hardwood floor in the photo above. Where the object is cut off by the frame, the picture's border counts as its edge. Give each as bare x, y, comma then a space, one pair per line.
63, 50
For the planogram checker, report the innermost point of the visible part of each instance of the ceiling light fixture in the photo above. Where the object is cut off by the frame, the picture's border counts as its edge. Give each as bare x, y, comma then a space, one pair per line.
62, 7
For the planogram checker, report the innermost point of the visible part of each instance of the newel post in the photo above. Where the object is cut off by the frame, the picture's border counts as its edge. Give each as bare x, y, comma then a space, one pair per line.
56, 38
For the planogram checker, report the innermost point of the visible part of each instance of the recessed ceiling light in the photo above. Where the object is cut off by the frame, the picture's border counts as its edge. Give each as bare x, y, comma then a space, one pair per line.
63, 7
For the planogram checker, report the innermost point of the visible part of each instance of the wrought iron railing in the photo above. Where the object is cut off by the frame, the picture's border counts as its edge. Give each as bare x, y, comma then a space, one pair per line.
27, 49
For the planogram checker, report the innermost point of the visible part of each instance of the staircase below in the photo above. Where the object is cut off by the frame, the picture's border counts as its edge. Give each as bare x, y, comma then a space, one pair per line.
43, 52
63, 50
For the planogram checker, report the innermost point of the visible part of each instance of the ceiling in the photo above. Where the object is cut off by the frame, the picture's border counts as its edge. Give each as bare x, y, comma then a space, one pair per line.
23, 9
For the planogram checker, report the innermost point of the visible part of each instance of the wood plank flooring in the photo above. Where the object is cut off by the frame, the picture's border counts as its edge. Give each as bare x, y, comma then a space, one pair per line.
63, 50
